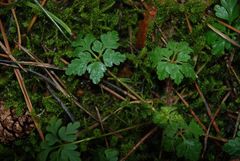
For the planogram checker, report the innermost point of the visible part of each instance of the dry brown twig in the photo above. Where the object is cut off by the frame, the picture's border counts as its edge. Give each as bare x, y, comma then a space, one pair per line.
101, 125
209, 113
212, 120
20, 81
152, 131
191, 111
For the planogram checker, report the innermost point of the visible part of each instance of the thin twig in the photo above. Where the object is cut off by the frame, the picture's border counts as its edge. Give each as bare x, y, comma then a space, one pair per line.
57, 84
17, 25
115, 94
229, 26
20, 81
207, 108
152, 131
188, 23
120, 90
236, 125
191, 111
108, 134
31, 63
223, 35
64, 107
101, 125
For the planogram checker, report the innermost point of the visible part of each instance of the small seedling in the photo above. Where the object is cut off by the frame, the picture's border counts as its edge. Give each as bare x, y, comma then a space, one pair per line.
56, 146
95, 55
173, 61
178, 135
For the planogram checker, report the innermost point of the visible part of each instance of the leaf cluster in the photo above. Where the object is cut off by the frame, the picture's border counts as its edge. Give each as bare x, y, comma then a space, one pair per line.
232, 147
57, 144
173, 61
178, 135
94, 56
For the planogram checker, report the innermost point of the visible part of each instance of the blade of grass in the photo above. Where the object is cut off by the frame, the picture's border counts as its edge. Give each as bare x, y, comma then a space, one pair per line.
53, 18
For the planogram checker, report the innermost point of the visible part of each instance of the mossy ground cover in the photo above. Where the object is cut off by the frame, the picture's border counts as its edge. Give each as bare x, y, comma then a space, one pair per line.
122, 79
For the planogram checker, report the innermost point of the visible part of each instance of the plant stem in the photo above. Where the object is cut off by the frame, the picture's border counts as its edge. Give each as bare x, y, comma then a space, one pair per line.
129, 89
107, 134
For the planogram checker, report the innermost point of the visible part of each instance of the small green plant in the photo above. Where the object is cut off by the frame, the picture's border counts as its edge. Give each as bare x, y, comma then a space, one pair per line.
95, 55
173, 61
178, 135
229, 10
56, 146
232, 147
218, 44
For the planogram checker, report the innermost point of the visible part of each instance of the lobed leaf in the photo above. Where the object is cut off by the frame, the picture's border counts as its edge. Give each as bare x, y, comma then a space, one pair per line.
54, 125
189, 149
110, 40
79, 66
86, 43
96, 71
110, 57
97, 46
194, 130
68, 133
68, 153
221, 12
232, 147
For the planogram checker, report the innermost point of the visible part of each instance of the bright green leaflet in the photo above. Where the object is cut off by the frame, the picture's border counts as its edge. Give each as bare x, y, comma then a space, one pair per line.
173, 61
95, 55
229, 10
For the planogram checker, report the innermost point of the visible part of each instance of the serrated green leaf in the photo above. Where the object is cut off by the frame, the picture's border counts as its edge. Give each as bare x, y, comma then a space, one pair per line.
79, 66
229, 10
69, 153
167, 115
111, 57
96, 71
86, 43
97, 46
54, 125
43, 155
55, 156
217, 43
169, 143
111, 154
194, 130
168, 61
189, 149
51, 139
174, 71
154, 57
110, 40
183, 48
218, 47
68, 133
221, 12
188, 71
232, 147
182, 57
161, 72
